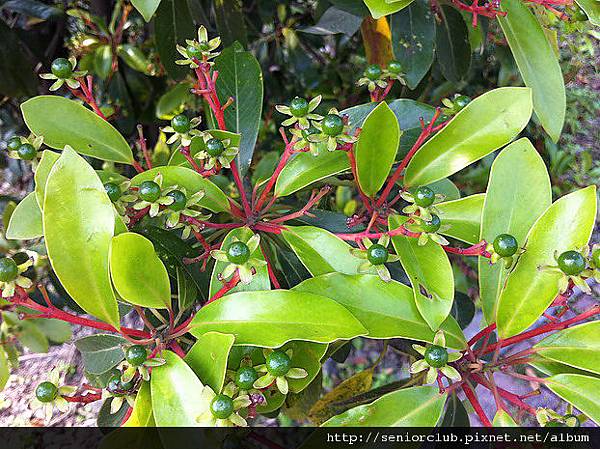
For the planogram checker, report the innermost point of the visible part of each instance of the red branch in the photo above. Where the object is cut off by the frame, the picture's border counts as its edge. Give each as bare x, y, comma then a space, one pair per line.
470, 394
227, 286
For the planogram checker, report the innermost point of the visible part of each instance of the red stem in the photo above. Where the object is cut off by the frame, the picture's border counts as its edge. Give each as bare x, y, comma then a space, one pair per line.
227, 286
470, 394
287, 153
314, 199
482, 333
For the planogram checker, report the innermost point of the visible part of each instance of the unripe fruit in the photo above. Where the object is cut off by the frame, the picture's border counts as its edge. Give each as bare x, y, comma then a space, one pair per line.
505, 245
373, 72
394, 67
214, 147
424, 196
278, 363
221, 406
245, 377
61, 68
299, 107
136, 355
179, 200
571, 263
13, 143
377, 254
436, 356
431, 225
27, 152
46, 392
181, 123
238, 253
149, 191
194, 52
332, 125
113, 191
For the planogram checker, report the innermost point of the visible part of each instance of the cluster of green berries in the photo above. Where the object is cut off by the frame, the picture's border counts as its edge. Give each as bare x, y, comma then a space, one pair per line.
11, 270
376, 77
424, 213
62, 70
455, 105
24, 148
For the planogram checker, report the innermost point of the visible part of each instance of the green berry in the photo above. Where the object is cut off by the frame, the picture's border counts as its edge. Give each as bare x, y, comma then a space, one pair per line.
245, 377
62, 68
8, 270
179, 200
377, 254
332, 125
424, 196
299, 107
13, 143
461, 101
432, 225
114, 386
394, 67
373, 72
194, 52
571, 263
505, 245
113, 191
149, 191
27, 152
181, 123
436, 356
238, 253
221, 406
215, 147
136, 355
278, 363
46, 392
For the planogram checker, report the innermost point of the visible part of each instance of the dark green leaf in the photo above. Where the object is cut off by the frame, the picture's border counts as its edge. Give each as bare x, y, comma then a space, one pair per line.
230, 22
452, 44
335, 21
101, 352
17, 77
173, 24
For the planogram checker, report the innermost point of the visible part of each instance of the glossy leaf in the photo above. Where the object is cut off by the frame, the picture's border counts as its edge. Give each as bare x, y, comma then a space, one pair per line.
47, 161
4, 370
409, 407
581, 391
386, 310
230, 22
320, 251
577, 346
529, 290
413, 40
500, 116
463, 216
240, 77
134, 57
78, 227
72, 124
272, 318
376, 148
175, 391
103, 58
307, 355
137, 273
214, 199
208, 358
592, 9
142, 409
538, 64
503, 419
26, 220
452, 45
146, 8
335, 21
430, 274
260, 280
172, 102
174, 24
511, 207
455, 414
381, 8
101, 352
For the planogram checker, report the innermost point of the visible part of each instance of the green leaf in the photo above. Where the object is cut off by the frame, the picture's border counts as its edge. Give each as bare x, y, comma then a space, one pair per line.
551, 368
103, 58
26, 220
592, 9
146, 8
511, 207
376, 148
581, 391
577, 346
174, 24
455, 414
503, 419
320, 251
306, 355
381, 8
386, 310
208, 358
537, 63
65, 122
463, 216
137, 273
101, 352
47, 161
4, 370
32, 337
214, 199
260, 280
55, 330
272, 318
430, 274
500, 116
175, 392
529, 290
335, 21
134, 57
230, 21
173, 101
452, 45
413, 40
240, 77
78, 227
17, 74
142, 409
409, 407
186, 290
107, 419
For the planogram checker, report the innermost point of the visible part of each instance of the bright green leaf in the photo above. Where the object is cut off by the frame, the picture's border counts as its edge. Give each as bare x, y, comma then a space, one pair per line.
173, 100
581, 391
530, 289
463, 216
72, 124
142, 409
146, 8
4, 371
500, 116
47, 161
272, 318
78, 227
138, 275
26, 220
592, 9
208, 358
381, 8
503, 419
512, 205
